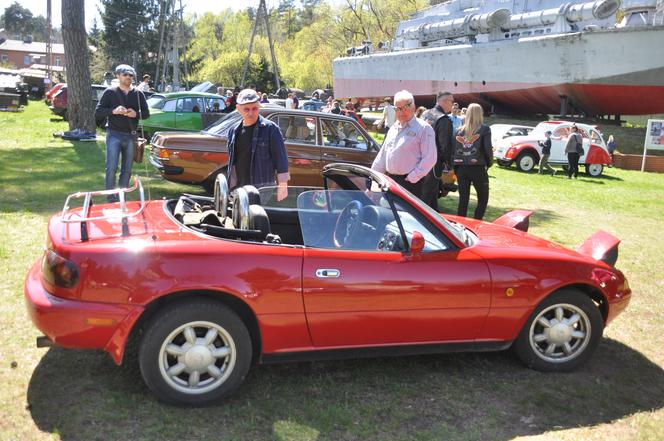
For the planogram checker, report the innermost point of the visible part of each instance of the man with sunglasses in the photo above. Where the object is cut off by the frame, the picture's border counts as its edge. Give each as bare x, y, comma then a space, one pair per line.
123, 105
409, 150
256, 151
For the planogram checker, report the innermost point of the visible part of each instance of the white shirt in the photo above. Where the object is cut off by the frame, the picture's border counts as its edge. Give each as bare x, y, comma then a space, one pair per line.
409, 150
389, 115
143, 87
289, 103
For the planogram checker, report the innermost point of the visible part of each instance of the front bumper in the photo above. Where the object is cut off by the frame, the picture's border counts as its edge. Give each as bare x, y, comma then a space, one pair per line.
77, 324
164, 168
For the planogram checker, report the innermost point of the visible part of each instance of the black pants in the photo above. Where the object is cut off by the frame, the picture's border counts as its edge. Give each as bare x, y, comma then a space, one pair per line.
430, 190
478, 176
415, 188
573, 160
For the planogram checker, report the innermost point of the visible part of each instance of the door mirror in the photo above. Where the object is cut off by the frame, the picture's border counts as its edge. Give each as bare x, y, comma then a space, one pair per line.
416, 243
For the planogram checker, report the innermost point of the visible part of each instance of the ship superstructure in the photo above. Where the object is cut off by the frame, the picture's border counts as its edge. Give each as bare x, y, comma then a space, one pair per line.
520, 56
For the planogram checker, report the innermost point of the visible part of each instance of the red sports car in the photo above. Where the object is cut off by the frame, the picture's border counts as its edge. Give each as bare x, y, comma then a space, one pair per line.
208, 286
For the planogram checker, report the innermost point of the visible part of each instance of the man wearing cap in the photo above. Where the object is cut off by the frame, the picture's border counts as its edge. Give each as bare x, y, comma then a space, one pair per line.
256, 151
123, 105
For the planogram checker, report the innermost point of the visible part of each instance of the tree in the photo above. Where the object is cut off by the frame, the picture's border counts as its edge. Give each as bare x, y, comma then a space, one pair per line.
17, 19
79, 103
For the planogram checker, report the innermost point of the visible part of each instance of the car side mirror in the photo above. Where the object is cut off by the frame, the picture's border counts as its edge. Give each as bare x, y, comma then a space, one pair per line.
416, 243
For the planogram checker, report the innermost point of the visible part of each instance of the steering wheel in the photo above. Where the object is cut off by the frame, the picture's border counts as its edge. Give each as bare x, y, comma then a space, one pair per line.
348, 221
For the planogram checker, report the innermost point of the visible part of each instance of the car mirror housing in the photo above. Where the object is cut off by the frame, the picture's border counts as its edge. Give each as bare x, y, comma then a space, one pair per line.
416, 243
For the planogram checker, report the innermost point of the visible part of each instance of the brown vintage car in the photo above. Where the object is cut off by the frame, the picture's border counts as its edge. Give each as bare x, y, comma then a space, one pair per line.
313, 139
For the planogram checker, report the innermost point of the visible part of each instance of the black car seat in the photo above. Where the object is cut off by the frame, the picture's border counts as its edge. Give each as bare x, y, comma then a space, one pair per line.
240, 213
258, 219
253, 194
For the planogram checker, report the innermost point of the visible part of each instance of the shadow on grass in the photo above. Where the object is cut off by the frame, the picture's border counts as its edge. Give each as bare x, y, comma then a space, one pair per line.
26, 172
83, 395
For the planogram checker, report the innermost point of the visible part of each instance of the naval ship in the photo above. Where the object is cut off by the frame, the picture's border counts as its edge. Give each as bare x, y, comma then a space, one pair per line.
598, 58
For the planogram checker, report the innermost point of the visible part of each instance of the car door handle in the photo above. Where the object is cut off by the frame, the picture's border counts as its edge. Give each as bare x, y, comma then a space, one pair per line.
327, 273
329, 155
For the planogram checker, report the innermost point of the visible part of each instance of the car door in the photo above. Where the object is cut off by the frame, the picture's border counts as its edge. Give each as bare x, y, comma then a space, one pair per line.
343, 141
558, 143
188, 113
374, 291
304, 158
163, 118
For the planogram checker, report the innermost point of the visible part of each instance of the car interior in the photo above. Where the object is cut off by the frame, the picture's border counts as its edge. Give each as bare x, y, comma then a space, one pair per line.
336, 218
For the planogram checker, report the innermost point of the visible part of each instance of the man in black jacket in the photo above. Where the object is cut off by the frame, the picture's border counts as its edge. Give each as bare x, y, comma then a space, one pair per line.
444, 143
123, 105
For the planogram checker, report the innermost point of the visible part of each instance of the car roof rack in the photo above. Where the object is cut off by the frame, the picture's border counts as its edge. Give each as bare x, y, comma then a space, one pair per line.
84, 217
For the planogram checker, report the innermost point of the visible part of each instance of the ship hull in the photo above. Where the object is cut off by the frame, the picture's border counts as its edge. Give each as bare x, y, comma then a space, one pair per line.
604, 72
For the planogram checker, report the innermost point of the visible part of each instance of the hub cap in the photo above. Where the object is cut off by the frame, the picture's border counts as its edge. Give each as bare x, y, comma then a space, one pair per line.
526, 163
197, 357
560, 333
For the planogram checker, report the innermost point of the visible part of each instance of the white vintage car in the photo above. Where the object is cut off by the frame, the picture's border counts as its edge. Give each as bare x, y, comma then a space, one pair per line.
502, 131
526, 151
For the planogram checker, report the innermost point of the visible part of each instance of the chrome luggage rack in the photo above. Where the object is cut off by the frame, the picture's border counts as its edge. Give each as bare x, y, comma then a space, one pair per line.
87, 204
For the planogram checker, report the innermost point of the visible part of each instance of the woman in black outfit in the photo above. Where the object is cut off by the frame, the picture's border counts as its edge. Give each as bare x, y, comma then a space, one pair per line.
471, 158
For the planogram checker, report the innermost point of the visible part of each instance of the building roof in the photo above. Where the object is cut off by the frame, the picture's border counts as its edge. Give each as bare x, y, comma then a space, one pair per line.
34, 47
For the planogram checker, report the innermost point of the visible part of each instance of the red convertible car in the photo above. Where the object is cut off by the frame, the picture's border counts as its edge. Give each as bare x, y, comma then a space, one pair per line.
206, 286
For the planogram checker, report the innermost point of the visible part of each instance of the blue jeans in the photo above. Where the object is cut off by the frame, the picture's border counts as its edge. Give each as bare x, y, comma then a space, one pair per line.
116, 143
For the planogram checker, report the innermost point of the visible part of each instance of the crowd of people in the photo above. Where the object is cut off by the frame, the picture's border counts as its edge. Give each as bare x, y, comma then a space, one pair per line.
421, 144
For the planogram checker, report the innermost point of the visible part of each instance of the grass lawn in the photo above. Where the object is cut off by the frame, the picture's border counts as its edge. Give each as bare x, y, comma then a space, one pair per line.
58, 394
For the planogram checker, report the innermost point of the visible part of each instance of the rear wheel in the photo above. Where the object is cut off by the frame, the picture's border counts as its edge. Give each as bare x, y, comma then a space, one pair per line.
195, 353
594, 170
562, 332
526, 162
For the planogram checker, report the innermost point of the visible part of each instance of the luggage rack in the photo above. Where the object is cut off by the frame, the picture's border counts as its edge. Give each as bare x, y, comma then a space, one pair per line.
87, 204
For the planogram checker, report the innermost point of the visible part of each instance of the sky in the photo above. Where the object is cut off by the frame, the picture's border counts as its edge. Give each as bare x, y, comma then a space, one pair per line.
38, 7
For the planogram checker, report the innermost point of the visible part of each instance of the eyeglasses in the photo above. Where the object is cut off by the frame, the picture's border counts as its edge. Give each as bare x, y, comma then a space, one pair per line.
404, 107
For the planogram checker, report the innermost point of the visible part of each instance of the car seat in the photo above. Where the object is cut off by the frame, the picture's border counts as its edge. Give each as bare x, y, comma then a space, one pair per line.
221, 195
253, 194
258, 219
240, 213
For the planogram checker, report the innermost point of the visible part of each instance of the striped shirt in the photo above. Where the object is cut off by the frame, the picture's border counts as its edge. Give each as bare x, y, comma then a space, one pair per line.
408, 150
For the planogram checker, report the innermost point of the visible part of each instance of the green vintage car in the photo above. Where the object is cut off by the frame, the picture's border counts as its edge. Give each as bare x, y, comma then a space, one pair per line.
181, 111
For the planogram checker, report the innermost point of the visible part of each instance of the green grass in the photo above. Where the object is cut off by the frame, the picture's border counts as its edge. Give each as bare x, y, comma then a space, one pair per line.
58, 394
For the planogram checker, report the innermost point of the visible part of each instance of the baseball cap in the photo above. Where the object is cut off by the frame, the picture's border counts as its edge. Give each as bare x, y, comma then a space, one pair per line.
126, 69
247, 96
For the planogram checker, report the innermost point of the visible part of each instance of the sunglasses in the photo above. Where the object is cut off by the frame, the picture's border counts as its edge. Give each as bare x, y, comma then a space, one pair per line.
124, 74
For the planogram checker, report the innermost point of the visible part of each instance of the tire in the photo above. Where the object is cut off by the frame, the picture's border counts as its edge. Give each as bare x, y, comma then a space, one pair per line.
208, 184
569, 348
526, 162
172, 357
503, 163
594, 170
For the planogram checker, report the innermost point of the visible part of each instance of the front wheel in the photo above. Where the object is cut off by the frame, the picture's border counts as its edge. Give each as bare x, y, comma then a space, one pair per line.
195, 353
594, 170
562, 332
526, 162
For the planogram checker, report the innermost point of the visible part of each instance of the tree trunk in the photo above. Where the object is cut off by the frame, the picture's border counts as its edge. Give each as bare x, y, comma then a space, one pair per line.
80, 108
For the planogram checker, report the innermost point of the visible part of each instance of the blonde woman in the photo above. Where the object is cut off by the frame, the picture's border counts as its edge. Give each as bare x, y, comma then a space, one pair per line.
471, 157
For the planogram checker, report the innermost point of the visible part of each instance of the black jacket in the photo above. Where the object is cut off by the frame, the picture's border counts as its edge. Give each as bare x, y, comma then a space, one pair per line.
444, 138
475, 149
114, 97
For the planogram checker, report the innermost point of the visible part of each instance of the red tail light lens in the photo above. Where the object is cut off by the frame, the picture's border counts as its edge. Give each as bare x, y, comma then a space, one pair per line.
59, 271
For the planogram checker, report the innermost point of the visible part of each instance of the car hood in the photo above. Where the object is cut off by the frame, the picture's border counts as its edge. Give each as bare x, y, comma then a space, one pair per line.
508, 142
194, 141
496, 241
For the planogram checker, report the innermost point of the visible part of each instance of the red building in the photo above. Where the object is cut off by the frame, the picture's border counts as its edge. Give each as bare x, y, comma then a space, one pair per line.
21, 54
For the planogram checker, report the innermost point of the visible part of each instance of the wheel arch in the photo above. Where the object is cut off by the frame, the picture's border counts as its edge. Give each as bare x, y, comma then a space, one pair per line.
593, 293
241, 308
526, 148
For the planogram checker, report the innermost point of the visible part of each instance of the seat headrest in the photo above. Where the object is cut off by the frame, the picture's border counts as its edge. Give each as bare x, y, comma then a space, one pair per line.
253, 194
258, 219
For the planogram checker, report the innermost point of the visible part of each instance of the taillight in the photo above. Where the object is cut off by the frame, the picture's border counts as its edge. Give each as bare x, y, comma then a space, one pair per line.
510, 153
164, 154
59, 271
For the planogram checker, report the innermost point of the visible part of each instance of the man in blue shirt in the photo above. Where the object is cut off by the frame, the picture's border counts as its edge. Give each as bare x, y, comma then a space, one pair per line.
257, 154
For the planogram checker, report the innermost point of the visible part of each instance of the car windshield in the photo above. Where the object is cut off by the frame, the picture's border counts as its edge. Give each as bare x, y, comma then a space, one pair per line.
156, 101
223, 126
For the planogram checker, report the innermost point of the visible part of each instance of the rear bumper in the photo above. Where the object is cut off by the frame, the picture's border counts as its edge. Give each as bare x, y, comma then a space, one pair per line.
77, 324
58, 110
